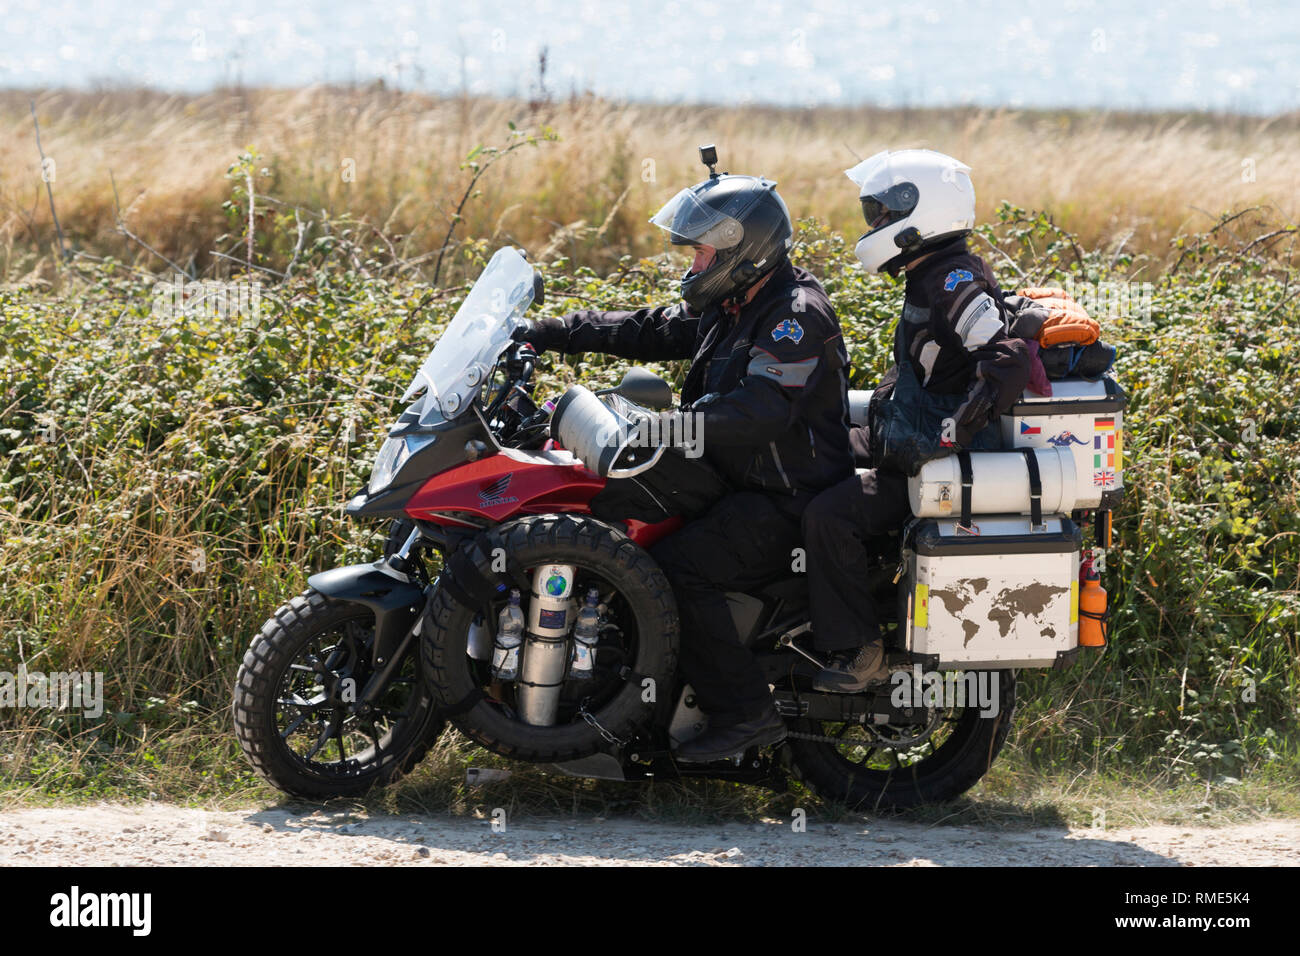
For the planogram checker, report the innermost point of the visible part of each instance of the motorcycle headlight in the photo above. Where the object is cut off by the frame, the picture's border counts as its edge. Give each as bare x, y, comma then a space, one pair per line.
391, 457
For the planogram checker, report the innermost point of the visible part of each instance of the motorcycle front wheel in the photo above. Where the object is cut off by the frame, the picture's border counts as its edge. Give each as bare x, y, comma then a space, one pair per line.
294, 703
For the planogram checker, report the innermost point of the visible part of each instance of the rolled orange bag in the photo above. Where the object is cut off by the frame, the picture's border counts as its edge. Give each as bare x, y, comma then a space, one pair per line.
1067, 322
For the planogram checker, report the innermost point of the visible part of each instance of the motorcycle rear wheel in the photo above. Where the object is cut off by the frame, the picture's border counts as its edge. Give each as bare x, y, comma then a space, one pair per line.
864, 774
642, 606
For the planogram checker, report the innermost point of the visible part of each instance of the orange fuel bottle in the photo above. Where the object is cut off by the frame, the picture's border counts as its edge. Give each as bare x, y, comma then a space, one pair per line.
1092, 605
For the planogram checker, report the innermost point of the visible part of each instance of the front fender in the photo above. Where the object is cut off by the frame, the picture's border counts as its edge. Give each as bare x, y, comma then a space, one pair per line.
396, 603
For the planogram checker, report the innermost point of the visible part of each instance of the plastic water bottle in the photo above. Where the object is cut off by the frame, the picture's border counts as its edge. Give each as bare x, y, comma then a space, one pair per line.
478, 642
586, 632
510, 634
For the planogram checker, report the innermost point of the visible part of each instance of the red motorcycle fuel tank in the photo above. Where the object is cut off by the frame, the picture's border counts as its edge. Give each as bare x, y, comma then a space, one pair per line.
513, 483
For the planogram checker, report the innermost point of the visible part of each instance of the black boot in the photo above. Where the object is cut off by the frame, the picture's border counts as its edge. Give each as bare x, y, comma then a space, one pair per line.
853, 669
728, 740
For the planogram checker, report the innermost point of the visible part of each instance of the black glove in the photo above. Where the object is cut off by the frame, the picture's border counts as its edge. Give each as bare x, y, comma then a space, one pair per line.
960, 440
704, 400
973, 415
1025, 316
546, 334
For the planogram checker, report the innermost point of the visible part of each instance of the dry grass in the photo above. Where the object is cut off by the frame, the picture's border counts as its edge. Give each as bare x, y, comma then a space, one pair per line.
171, 442
1110, 178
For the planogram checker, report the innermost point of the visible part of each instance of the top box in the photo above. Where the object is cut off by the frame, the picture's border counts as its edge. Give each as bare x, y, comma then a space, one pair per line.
1087, 418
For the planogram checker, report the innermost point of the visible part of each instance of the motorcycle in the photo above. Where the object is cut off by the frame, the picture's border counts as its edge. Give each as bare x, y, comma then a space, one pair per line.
547, 635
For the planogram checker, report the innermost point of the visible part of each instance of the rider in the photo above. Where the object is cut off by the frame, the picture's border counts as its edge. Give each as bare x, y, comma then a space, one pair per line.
769, 378
919, 206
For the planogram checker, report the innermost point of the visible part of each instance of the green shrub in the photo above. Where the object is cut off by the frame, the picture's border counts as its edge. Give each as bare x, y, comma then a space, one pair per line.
167, 481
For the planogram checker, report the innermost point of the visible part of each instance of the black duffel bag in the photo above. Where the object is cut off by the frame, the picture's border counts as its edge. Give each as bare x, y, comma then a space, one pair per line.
906, 422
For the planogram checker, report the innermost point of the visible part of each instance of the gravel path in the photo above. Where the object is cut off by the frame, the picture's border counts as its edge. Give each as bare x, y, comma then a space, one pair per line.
150, 834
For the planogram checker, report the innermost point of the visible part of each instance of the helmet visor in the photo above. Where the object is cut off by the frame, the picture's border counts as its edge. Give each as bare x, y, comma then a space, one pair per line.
689, 221
889, 205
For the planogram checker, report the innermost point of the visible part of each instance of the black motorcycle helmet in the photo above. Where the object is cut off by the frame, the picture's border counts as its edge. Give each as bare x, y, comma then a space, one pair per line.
743, 218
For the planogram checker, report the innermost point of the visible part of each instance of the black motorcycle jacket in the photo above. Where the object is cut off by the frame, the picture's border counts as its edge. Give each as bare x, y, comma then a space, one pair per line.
770, 380
959, 335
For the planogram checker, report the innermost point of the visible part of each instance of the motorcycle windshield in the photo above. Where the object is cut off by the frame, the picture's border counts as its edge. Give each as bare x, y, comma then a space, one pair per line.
464, 355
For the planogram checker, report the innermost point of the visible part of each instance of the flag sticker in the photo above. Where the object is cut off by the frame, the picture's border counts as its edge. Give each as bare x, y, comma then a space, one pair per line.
1104, 447
1026, 430
921, 616
1107, 451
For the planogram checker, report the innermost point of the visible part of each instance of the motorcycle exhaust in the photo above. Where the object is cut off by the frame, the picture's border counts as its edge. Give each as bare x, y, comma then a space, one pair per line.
546, 649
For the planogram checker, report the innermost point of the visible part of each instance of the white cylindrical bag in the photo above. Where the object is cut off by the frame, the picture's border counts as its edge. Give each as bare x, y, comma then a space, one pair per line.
999, 484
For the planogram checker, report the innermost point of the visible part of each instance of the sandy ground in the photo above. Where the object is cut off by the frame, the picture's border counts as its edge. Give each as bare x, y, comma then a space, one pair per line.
152, 834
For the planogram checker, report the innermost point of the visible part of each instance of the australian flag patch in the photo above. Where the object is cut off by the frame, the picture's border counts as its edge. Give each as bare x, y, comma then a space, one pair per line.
956, 278
788, 329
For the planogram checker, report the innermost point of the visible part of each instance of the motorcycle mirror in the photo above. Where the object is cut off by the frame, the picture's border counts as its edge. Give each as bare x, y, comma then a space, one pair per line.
539, 289
644, 388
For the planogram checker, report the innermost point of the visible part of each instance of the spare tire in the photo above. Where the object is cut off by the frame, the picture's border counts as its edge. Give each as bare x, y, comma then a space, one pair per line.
636, 658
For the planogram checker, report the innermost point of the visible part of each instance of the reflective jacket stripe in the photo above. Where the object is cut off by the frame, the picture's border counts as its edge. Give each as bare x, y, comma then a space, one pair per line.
663, 507
777, 459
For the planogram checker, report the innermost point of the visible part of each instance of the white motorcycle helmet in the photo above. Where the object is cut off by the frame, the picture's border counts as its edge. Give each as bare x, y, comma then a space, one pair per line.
912, 200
